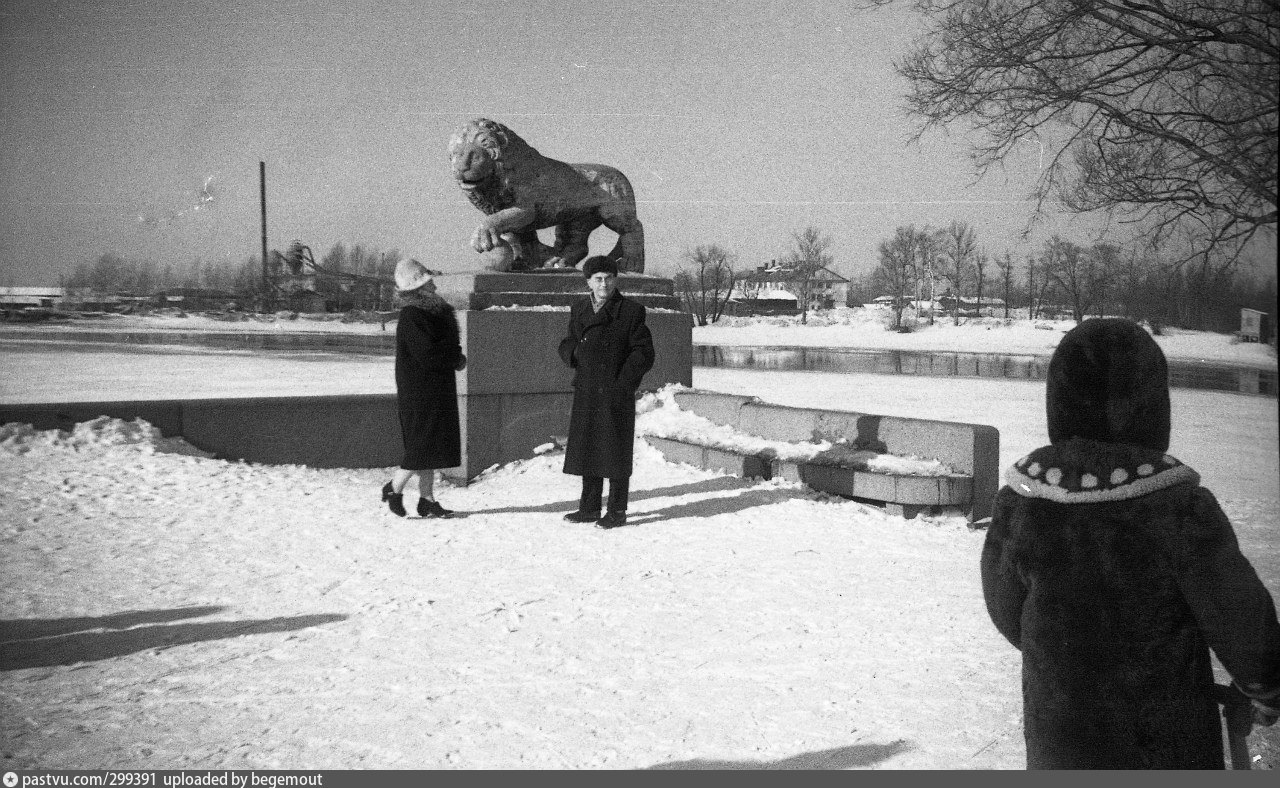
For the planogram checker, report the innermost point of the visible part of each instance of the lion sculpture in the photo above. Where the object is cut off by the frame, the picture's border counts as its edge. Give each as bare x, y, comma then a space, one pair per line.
521, 191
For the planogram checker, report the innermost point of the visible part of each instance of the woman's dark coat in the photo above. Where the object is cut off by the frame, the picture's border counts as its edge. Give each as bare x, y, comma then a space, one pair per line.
428, 353
1115, 573
610, 351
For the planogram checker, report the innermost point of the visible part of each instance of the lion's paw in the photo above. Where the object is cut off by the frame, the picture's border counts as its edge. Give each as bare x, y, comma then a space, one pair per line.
500, 258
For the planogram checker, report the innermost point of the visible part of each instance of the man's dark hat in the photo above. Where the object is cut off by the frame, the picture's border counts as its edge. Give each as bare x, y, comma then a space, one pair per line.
598, 264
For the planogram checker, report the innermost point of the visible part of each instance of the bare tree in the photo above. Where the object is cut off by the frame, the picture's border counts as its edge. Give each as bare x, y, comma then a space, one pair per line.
959, 248
980, 261
1207, 281
1078, 272
1103, 268
806, 259
1137, 287
897, 270
929, 256
705, 289
108, 274
247, 281
1034, 297
1005, 265
112, 273
1160, 112
1040, 286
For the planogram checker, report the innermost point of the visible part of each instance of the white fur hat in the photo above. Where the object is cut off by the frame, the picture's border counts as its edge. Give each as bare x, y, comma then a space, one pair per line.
411, 274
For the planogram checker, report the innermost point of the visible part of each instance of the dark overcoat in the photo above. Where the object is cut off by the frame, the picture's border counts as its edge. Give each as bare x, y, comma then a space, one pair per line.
609, 350
1115, 573
428, 353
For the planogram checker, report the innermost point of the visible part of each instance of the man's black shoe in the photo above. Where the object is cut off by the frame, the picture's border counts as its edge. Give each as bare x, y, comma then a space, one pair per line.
582, 517
612, 520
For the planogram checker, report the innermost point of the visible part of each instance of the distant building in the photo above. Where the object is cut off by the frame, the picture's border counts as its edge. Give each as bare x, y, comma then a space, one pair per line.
827, 289
31, 297
196, 299
969, 305
764, 302
1254, 325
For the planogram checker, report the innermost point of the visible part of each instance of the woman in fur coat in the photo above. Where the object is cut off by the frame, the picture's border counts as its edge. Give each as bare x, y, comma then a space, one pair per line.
1115, 573
428, 353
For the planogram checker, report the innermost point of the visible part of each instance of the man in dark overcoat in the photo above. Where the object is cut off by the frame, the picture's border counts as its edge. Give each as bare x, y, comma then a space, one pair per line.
1115, 572
610, 349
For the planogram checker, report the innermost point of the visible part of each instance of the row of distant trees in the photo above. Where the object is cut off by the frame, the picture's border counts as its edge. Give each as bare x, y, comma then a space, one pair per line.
1162, 287
112, 273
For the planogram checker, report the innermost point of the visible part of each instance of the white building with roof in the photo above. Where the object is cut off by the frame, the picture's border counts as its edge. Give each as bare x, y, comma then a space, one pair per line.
31, 297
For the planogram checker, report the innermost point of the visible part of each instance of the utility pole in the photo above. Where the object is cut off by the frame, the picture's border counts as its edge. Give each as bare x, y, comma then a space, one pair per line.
266, 282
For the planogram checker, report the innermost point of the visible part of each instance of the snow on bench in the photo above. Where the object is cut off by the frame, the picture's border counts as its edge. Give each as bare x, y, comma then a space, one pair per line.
906, 465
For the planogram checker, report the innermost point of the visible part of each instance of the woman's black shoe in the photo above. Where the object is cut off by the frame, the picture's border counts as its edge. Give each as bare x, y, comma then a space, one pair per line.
395, 500
432, 509
612, 520
582, 517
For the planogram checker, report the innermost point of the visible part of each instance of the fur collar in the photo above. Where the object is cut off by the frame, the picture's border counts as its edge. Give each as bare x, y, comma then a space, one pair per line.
614, 298
427, 302
1080, 470
605, 314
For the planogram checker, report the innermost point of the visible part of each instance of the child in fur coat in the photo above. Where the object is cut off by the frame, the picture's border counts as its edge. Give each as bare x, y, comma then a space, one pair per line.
1115, 573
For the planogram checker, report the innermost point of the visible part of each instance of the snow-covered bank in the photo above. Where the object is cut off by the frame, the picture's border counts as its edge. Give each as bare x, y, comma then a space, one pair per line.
865, 328
176, 320
46, 373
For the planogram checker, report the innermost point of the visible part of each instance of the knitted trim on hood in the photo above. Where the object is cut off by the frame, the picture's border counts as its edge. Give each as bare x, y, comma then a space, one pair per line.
1086, 471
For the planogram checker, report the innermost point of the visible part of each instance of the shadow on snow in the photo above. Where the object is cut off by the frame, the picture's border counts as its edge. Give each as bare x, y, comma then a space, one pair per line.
48, 642
748, 498
850, 757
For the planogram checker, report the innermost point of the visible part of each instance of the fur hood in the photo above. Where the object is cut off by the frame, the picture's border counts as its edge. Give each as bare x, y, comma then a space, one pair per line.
1107, 402
1108, 382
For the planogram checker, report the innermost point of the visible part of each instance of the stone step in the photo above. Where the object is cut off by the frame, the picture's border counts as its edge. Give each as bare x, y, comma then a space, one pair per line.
547, 287
971, 450
484, 300
553, 280
903, 495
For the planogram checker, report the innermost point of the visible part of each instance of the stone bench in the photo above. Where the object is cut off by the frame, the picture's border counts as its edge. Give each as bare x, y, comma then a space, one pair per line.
971, 450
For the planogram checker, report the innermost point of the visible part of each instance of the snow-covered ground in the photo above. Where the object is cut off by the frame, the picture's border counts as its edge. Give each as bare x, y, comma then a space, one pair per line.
163, 609
176, 320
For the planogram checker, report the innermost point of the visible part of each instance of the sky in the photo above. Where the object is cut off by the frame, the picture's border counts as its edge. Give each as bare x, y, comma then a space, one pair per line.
137, 127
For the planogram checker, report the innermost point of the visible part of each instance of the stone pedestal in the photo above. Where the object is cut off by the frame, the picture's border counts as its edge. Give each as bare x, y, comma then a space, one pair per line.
515, 393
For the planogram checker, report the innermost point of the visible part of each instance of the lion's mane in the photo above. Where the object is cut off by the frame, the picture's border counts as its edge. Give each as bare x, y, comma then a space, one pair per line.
507, 150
